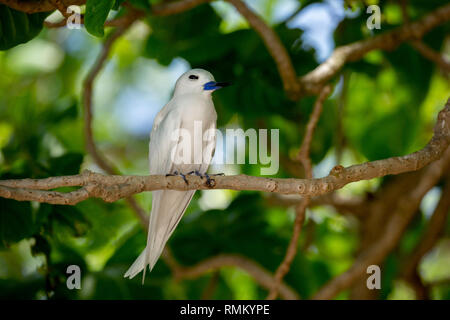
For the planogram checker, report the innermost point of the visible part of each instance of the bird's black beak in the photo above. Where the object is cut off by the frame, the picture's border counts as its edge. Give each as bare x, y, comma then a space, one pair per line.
212, 85
223, 84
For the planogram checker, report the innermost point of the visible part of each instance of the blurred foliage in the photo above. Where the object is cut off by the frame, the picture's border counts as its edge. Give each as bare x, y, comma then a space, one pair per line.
391, 100
17, 27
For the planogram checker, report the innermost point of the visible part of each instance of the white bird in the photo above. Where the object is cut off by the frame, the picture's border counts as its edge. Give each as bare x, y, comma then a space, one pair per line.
190, 106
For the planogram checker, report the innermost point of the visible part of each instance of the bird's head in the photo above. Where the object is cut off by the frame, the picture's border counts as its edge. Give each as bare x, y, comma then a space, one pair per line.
197, 81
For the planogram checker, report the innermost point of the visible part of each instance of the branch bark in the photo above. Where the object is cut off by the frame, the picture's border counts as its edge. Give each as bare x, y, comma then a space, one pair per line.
88, 85
112, 187
162, 9
39, 5
312, 81
434, 230
376, 254
303, 157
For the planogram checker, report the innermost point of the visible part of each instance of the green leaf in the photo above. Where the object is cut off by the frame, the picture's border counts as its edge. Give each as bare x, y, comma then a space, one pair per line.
140, 4
16, 221
96, 14
66, 164
117, 4
62, 220
17, 27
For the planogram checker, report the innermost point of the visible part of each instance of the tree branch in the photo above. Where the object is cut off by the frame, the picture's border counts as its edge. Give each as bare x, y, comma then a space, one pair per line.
310, 83
421, 47
116, 22
113, 187
169, 8
313, 80
39, 5
87, 96
162, 9
303, 157
260, 274
356, 206
401, 217
269, 37
274, 46
435, 227
88, 84
431, 55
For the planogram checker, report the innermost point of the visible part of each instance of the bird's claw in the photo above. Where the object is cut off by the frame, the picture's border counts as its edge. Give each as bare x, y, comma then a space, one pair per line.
176, 173
195, 172
209, 182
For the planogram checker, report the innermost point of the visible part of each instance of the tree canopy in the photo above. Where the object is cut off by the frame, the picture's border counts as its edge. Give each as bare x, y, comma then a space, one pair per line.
364, 159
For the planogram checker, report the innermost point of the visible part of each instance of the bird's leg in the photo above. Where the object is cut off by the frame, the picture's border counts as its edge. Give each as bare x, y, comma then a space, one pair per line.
205, 175
198, 174
208, 180
176, 173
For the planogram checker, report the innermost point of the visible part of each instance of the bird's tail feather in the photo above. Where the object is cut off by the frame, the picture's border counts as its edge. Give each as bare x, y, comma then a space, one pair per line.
137, 266
167, 209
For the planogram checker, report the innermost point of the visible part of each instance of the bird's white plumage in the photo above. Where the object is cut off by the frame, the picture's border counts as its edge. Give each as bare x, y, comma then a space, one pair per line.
190, 103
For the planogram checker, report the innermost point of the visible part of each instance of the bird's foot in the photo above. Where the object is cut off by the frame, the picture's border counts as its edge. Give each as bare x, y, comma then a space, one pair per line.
209, 182
195, 172
176, 173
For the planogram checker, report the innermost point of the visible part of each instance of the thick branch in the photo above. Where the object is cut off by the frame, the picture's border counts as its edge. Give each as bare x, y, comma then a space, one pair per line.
163, 9
111, 188
39, 5
117, 22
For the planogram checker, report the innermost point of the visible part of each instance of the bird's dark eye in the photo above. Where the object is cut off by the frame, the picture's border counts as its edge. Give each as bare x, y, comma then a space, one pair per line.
193, 77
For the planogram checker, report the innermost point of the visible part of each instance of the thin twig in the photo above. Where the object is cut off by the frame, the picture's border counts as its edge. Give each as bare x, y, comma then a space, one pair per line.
87, 98
303, 153
431, 55
303, 156
260, 274
356, 206
421, 47
61, 6
434, 230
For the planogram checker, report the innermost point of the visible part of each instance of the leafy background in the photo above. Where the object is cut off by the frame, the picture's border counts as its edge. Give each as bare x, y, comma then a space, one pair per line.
391, 101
